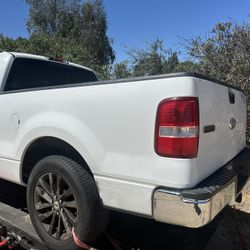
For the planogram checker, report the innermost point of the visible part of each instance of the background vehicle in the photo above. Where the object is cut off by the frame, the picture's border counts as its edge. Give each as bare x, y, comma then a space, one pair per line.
169, 147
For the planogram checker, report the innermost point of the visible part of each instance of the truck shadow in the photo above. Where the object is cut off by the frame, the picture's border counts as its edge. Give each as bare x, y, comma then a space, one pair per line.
133, 232
233, 231
229, 230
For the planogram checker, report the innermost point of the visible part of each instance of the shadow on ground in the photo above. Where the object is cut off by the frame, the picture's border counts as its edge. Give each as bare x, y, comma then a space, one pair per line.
233, 232
139, 233
229, 230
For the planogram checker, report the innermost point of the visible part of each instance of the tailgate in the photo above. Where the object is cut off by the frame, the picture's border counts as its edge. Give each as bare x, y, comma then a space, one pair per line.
222, 124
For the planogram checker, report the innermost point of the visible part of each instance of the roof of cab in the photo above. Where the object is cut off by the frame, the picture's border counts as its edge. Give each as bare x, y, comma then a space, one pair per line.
38, 57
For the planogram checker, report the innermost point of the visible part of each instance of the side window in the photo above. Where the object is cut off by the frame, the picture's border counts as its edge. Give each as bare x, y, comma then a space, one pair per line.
60, 74
28, 73
82, 75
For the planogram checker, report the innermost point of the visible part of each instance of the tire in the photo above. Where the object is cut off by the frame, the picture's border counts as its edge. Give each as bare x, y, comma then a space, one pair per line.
61, 194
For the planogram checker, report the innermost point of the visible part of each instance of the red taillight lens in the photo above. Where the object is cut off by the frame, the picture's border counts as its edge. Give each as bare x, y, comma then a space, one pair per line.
177, 127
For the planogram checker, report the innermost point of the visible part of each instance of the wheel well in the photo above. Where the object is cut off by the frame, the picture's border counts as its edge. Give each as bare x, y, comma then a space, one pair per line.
46, 146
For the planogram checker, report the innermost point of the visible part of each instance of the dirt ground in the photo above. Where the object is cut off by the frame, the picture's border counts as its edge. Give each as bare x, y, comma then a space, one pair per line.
229, 230
233, 231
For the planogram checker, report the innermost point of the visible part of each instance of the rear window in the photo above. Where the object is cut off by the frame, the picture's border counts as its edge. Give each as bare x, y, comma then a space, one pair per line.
60, 74
31, 73
26, 74
80, 75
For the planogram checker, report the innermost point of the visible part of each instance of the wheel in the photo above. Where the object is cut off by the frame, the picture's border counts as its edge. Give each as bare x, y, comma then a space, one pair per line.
61, 195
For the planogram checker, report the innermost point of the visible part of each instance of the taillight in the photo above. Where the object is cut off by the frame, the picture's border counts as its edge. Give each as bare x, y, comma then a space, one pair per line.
177, 127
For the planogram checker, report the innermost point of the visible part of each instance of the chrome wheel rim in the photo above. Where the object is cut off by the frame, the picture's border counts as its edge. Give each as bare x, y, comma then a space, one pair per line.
55, 205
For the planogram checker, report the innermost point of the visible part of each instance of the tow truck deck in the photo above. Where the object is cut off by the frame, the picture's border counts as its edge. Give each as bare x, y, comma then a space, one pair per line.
15, 223
16, 227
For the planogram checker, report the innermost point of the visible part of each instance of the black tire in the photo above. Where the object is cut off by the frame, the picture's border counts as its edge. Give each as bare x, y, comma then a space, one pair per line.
62, 194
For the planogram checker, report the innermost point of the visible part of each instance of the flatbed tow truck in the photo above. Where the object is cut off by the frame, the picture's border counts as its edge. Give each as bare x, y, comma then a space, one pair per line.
16, 229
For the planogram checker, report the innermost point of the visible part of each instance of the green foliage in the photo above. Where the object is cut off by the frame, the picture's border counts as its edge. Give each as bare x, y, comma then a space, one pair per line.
225, 54
149, 61
171, 62
9, 44
121, 70
77, 31
187, 66
155, 60
43, 44
81, 24
69, 29
47, 16
94, 29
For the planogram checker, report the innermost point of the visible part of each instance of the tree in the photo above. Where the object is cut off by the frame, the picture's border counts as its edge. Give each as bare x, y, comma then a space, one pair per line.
9, 44
121, 70
187, 66
225, 54
153, 60
82, 24
54, 17
171, 62
94, 38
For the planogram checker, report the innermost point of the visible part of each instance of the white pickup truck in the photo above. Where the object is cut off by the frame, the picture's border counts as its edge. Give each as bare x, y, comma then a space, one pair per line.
169, 147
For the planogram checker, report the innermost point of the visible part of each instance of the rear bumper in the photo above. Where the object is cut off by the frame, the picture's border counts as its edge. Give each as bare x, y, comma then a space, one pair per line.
198, 206
174, 209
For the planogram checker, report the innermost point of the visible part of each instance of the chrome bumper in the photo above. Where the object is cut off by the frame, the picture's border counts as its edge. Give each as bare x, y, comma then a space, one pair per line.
170, 207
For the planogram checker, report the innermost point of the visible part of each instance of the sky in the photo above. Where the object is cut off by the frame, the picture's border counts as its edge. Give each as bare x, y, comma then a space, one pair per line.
134, 23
